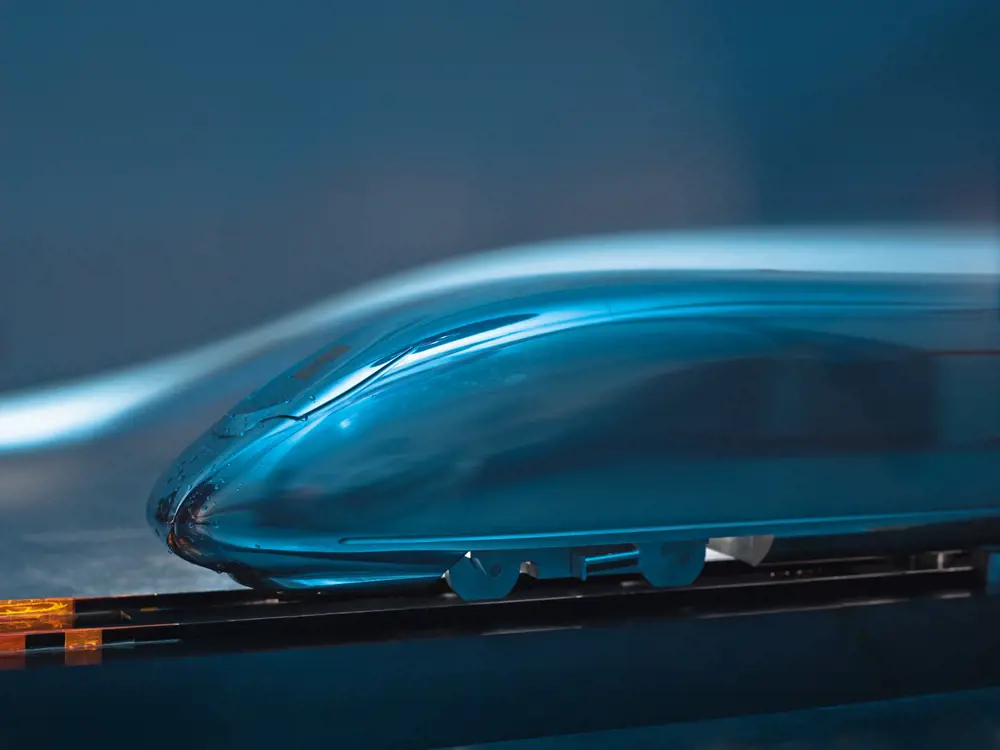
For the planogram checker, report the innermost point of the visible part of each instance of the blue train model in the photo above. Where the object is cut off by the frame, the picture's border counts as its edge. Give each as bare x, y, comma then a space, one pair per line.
593, 422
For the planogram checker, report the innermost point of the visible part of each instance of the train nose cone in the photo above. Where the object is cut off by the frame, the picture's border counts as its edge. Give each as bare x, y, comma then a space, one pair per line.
159, 510
178, 522
182, 482
185, 527
174, 510
205, 505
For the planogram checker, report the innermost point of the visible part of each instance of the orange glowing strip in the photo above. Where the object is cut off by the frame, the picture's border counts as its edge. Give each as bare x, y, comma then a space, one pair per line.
29, 609
40, 624
83, 647
22, 626
26, 615
84, 639
11, 644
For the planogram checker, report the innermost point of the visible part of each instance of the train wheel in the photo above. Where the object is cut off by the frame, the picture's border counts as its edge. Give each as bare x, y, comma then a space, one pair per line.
671, 564
484, 576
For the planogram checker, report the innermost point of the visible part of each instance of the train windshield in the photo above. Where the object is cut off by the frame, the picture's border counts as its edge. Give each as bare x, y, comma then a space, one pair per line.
304, 378
286, 386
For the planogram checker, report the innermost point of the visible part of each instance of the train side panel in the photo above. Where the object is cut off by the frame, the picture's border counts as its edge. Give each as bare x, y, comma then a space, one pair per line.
713, 429
725, 409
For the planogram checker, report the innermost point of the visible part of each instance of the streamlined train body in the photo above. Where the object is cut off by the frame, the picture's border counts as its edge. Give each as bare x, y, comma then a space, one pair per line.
585, 423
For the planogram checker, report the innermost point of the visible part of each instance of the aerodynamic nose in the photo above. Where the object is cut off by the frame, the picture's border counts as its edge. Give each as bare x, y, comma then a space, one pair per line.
205, 482
159, 512
184, 482
176, 509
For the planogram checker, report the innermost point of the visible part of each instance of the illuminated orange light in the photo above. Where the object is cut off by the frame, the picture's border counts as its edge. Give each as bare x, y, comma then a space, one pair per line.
35, 624
22, 609
18, 626
11, 644
83, 647
90, 638
26, 615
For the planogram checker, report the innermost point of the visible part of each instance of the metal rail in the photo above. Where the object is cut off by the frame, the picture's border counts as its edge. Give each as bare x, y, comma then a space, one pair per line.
86, 631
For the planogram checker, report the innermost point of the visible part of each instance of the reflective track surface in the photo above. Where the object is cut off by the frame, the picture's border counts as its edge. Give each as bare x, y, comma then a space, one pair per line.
968, 720
611, 660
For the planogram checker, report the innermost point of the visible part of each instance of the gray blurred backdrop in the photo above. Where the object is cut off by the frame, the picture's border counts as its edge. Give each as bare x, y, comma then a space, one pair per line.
171, 173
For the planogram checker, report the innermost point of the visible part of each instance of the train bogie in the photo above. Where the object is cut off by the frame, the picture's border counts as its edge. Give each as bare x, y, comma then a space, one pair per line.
493, 574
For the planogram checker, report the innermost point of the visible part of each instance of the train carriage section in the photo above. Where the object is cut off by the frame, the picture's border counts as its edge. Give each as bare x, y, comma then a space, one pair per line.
610, 427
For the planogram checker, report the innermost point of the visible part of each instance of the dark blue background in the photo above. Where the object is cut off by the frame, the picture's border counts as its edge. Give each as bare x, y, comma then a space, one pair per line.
173, 172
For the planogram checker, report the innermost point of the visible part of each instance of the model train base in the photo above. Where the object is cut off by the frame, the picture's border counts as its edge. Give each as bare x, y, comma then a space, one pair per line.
492, 574
483, 576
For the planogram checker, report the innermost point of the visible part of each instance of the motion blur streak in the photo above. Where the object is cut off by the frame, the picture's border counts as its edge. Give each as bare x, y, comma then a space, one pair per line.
62, 414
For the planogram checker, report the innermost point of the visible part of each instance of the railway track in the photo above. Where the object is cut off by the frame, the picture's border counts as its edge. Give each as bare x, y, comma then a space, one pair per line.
93, 630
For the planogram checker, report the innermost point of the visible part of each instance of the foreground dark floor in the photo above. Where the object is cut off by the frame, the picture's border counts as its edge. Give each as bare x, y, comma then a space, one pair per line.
953, 721
697, 678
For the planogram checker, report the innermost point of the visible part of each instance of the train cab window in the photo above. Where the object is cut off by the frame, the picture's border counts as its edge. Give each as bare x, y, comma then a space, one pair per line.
289, 383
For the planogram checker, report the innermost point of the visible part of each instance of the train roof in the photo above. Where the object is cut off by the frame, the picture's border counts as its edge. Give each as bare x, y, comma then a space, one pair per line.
67, 412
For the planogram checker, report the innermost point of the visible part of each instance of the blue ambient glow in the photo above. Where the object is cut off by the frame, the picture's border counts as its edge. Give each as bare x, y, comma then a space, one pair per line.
61, 414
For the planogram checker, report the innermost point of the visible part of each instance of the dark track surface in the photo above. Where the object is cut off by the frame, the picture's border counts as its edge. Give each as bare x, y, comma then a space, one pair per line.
967, 720
224, 621
370, 672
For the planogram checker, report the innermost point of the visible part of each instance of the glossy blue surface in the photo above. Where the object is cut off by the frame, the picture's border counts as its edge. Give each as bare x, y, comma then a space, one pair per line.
564, 417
